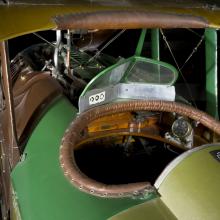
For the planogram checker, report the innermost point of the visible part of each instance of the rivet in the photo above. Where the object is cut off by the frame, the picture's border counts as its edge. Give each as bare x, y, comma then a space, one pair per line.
135, 192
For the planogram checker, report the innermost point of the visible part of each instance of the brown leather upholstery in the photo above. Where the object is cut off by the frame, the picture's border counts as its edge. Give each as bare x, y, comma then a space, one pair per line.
127, 19
32, 92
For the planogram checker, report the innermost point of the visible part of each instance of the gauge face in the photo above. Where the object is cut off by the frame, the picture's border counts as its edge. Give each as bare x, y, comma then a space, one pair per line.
181, 128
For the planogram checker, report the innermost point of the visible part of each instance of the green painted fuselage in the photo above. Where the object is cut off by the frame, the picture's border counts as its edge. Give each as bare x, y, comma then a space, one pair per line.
42, 191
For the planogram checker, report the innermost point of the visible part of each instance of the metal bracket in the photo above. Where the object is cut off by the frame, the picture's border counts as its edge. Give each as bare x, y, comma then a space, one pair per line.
136, 91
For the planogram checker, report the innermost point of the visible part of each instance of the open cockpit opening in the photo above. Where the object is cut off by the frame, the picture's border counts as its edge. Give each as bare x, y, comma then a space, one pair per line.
123, 159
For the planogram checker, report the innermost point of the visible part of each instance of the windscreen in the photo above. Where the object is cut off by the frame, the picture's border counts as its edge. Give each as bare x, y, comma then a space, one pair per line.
151, 73
135, 71
111, 77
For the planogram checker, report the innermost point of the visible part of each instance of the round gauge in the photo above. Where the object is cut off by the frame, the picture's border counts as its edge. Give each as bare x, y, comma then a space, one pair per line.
181, 128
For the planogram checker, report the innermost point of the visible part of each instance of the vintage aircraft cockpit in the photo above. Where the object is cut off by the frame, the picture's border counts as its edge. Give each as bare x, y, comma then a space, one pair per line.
132, 123
98, 114
128, 138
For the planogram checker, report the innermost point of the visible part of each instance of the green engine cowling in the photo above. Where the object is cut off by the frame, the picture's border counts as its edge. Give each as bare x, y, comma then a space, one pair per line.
190, 184
189, 189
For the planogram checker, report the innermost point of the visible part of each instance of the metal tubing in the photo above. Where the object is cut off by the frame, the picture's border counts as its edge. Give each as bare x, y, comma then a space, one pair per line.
56, 52
155, 44
13, 151
68, 38
211, 72
140, 42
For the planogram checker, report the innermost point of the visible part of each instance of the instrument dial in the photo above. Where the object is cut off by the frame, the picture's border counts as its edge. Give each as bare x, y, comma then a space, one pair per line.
181, 128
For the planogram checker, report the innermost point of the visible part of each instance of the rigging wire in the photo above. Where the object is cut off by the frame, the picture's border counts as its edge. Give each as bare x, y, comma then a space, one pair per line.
42, 38
198, 35
178, 67
194, 51
91, 40
106, 45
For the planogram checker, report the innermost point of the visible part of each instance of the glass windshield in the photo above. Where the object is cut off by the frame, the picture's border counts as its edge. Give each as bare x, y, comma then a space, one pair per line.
112, 77
151, 73
135, 71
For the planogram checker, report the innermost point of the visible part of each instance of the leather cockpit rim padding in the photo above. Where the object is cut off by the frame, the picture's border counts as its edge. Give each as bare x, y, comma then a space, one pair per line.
73, 136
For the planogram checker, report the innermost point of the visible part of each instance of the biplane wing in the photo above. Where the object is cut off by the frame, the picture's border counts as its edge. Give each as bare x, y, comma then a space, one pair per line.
22, 17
